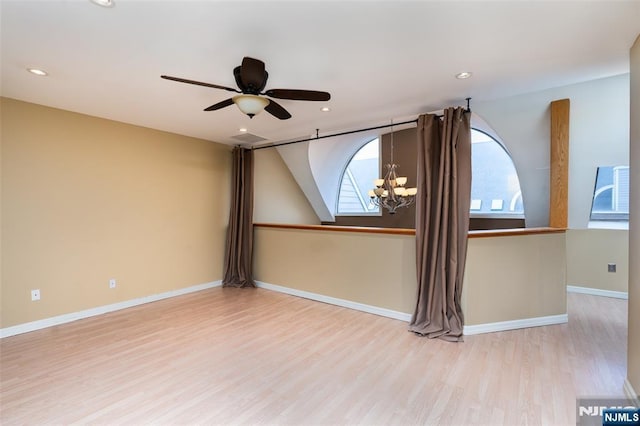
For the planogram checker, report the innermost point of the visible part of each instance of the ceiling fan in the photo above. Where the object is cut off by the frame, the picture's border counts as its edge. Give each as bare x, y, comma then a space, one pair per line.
251, 78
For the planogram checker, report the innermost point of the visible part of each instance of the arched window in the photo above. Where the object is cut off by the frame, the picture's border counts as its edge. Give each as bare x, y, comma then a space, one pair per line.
611, 194
495, 187
357, 180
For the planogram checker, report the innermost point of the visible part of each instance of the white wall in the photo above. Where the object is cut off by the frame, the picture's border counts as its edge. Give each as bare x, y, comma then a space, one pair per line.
296, 158
599, 135
328, 159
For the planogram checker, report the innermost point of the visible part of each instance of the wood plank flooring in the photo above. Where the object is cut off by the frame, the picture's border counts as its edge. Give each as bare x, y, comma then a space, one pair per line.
230, 356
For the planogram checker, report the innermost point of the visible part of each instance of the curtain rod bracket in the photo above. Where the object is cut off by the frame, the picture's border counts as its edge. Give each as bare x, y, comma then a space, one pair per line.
468, 106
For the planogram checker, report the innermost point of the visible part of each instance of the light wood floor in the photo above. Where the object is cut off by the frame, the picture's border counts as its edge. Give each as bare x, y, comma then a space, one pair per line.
228, 356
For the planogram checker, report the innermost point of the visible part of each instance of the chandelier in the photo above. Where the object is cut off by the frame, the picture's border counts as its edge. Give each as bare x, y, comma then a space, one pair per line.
390, 192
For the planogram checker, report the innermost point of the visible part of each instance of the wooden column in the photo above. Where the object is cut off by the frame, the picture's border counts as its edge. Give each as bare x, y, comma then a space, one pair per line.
559, 167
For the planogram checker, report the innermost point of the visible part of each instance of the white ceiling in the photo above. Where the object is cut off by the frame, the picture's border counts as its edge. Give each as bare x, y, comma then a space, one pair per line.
379, 60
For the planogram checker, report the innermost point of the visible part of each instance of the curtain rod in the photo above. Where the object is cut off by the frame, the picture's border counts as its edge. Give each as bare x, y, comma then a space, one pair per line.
335, 134
415, 120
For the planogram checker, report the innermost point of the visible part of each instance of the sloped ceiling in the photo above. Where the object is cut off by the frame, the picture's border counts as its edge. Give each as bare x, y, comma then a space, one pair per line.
379, 60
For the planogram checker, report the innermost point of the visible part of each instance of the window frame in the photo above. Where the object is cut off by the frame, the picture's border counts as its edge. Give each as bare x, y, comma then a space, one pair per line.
501, 214
472, 214
604, 220
376, 213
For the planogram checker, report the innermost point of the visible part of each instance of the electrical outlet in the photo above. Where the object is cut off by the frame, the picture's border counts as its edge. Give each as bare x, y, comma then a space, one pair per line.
611, 267
35, 295
112, 283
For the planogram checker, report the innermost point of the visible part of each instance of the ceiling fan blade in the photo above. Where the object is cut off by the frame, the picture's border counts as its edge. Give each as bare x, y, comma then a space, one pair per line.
253, 74
298, 95
277, 111
220, 105
199, 83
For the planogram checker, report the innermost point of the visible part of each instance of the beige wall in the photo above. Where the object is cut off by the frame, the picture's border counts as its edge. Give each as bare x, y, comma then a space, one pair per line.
515, 277
588, 253
507, 278
86, 199
633, 358
345, 265
277, 196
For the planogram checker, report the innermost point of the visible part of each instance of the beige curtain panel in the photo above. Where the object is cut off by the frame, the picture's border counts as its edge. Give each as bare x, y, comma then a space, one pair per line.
442, 222
239, 249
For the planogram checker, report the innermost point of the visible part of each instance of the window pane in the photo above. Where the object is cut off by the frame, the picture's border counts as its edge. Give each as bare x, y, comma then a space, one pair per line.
358, 179
611, 194
495, 187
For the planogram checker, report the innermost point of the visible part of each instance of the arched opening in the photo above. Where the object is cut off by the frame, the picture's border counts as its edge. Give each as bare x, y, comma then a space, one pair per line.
357, 179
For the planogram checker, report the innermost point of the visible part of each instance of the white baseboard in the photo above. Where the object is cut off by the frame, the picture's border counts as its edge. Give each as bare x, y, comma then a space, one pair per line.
515, 324
74, 316
402, 316
389, 313
338, 302
631, 393
598, 292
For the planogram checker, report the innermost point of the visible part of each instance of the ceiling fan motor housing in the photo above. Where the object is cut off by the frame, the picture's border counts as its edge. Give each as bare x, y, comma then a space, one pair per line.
249, 88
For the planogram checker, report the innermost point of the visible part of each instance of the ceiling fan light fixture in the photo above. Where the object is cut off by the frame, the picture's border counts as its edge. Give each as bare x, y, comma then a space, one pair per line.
250, 104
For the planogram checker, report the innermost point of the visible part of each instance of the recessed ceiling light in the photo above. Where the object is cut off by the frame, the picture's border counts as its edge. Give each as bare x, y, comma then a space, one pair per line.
37, 72
325, 109
104, 3
242, 129
463, 75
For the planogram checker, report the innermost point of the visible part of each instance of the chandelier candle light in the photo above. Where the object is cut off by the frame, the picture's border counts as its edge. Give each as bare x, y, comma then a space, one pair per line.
391, 192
